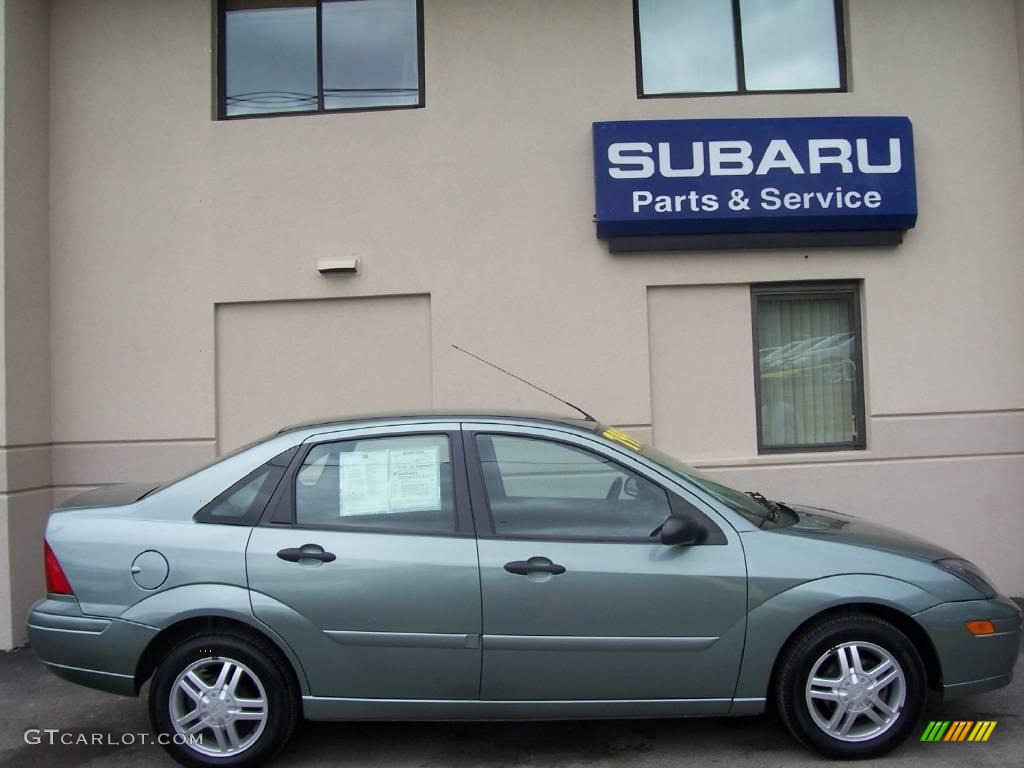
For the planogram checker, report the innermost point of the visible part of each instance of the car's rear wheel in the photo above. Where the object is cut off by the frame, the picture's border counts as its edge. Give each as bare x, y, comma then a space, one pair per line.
852, 687
221, 699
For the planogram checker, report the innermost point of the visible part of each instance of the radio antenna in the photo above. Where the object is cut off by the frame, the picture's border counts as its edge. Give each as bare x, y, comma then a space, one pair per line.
586, 415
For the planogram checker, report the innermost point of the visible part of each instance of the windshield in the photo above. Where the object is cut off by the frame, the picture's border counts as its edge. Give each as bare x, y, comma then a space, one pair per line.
736, 500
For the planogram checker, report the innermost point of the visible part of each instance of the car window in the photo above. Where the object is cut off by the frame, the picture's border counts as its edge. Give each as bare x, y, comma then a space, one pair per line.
244, 502
541, 488
736, 500
239, 502
389, 483
739, 502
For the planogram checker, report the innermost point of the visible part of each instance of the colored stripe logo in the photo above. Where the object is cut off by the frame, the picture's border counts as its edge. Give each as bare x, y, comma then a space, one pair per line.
623, 438
958, 730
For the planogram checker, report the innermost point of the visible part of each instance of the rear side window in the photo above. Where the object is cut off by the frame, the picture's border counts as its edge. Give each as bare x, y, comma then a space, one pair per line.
399, 484
244, 502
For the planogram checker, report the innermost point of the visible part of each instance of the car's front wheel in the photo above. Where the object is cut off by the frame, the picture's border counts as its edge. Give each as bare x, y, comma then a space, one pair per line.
224, 700
852, 687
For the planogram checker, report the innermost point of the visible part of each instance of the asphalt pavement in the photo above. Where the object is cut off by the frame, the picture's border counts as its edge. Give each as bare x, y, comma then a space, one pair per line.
107, 730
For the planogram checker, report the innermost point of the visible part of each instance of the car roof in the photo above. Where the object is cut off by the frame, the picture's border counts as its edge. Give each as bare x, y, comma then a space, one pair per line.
448, 414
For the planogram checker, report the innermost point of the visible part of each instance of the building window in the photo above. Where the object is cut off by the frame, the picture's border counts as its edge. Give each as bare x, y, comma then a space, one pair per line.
809, 378
296, 56
692, 47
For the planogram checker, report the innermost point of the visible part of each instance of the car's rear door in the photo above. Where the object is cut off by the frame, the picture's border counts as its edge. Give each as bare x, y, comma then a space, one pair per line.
580, 602
366, 565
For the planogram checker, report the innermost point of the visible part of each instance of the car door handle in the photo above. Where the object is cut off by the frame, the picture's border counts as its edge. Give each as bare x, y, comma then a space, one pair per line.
306, 552
534, 565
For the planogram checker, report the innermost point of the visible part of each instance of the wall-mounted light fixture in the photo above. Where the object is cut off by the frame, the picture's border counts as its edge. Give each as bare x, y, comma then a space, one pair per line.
337, 266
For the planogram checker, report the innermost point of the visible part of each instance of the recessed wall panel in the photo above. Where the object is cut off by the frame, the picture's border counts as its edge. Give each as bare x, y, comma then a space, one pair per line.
702, 379
282, 362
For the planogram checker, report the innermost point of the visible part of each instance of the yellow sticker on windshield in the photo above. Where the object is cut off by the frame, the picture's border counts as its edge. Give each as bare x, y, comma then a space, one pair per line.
622, 438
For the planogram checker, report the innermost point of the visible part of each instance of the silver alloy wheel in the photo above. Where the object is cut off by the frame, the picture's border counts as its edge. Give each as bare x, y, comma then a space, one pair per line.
220, 703
856, 691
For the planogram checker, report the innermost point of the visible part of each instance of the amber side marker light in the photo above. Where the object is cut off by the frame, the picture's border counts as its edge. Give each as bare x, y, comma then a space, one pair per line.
980, 627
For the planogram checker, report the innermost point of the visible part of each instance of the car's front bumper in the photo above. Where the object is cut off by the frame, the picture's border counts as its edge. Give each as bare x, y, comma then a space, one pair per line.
974, 663
95, 652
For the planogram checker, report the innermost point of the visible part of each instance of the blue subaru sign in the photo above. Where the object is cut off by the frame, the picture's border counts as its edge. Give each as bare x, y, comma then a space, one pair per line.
813, 174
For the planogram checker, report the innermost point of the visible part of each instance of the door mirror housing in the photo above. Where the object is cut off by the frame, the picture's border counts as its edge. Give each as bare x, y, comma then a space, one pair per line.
681, 531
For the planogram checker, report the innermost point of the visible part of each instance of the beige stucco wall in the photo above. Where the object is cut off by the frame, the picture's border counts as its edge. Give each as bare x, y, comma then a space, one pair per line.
483, 201
286, 362
1020, 46
25, 476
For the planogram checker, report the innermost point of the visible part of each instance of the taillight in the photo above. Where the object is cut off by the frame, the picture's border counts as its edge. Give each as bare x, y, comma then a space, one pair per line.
56, 582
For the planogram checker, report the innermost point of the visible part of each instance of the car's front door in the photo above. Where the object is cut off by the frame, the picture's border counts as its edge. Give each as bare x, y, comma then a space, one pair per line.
580, 601
366, 565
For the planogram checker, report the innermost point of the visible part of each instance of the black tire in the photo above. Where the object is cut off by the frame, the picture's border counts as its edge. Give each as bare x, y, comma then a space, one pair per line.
263, 666
827, 637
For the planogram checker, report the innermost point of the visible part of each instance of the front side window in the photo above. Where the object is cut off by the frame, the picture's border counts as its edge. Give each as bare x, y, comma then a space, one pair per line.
283, 56
809, 378
738, 46
543, 489
387, 483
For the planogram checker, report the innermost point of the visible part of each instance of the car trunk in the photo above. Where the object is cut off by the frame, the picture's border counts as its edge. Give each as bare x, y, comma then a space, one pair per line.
109, 495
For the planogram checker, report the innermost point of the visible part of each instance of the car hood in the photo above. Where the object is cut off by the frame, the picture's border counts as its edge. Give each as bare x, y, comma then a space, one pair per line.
846, 529
109, 496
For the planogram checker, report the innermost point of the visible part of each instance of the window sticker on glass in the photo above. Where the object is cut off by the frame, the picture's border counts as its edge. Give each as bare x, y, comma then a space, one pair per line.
364, 482
622, 438
310, 473
375, 482
415, 475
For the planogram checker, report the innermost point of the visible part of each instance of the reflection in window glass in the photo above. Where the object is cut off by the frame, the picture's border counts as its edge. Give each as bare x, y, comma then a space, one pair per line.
789, 44
809, 383
270, 57
240, 501
690, 46
243, 502
370, 53
687, 46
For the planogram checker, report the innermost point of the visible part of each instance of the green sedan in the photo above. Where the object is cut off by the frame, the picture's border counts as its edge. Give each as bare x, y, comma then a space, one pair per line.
468, 566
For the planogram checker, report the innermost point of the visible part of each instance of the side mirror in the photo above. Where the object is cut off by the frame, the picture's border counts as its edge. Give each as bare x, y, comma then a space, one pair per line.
681, 531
